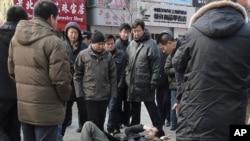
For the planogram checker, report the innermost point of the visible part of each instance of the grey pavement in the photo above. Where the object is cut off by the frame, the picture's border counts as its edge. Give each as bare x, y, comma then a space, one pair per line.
71, 135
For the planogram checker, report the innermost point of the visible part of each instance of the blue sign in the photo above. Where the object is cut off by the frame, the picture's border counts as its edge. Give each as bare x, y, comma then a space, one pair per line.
181, 2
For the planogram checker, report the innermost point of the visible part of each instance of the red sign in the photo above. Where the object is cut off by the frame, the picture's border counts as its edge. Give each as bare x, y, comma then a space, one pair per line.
70, 10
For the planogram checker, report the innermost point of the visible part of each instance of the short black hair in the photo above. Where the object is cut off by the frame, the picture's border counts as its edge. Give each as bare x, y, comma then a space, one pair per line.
16, 13
44, 9
125, 26
109, 36
138, 22
164, 38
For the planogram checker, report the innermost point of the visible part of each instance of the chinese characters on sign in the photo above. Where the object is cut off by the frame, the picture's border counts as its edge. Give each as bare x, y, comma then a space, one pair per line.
73, 10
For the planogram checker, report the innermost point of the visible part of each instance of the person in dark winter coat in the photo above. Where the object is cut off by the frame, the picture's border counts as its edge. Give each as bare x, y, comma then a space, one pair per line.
169, 45
95, 79
73, 41
9, 124
122, 44
214, 59
115, 104
142, 74
124, 32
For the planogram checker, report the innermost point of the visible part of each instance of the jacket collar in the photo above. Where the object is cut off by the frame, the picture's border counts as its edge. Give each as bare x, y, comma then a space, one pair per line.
215, 5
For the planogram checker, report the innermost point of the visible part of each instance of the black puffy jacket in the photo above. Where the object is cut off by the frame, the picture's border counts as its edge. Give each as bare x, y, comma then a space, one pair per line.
214, 58
143, 68
7, 86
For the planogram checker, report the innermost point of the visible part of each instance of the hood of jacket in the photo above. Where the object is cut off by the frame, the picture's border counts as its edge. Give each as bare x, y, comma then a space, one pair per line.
76, 26
33, 30
219, 19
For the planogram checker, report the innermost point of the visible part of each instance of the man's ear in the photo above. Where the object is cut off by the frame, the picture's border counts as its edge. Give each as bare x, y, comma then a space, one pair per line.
51, 18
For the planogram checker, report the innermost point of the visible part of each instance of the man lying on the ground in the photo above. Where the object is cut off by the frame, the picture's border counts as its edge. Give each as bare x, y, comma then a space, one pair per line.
90, 132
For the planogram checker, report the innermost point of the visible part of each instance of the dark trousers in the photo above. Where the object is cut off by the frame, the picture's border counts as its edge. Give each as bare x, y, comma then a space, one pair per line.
9, 123
152, 110
164, 103
119, 112
96, 112
39, 133
82, 113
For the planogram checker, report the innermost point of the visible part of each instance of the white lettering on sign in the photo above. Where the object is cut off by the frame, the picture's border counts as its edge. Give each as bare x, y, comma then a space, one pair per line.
29, 5
65, 8
240, 132
73, 8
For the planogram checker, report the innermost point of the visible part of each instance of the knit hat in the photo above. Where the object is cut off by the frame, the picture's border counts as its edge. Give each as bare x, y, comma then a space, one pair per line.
97, 37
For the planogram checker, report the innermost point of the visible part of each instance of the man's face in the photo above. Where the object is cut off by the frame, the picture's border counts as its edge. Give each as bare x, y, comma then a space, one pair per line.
73, 34
151, 132
110, 45
98, 47
138, 32
168, 48
124, 34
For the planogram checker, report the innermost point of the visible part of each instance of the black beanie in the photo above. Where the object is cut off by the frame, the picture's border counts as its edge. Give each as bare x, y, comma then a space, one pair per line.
97, 37
16, 13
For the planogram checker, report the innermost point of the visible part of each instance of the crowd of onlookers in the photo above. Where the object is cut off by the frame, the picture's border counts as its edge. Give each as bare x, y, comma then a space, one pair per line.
197, 85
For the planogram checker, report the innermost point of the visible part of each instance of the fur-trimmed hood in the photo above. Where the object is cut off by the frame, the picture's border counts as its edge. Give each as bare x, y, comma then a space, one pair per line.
219, 19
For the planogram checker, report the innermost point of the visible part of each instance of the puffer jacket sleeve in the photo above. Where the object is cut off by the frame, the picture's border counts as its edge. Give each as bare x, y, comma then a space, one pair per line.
181, 57
59, 71
112, 77
154, 56
121, 83
78, 74
168, 68
11, 63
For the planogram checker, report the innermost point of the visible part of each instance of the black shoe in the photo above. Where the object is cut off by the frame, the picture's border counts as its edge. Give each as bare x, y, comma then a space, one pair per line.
173, 128
167, 124
78, 130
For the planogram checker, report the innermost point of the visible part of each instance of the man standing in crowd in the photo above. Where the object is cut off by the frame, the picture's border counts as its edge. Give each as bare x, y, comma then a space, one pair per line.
115, 104
95, 79
142, 74
86, 37
9, 124
215, 62
39, 64
163, 93
74, 45
169, 45
122, 44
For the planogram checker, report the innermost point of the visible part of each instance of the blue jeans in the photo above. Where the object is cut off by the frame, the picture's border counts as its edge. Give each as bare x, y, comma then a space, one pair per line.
173, 116
39, 133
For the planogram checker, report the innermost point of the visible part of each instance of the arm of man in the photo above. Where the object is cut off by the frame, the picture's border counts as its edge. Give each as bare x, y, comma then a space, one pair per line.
59, 71
11, 63
78, 75
113, 79
154, 56
168, 67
